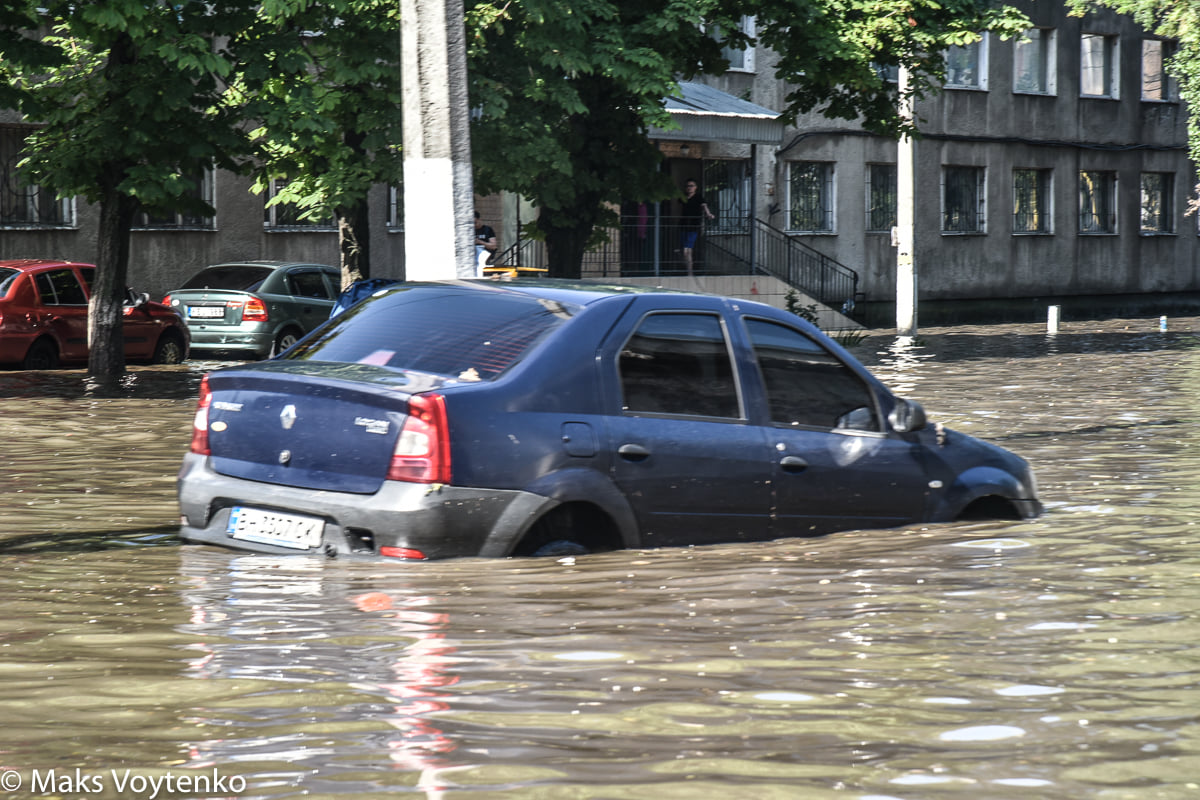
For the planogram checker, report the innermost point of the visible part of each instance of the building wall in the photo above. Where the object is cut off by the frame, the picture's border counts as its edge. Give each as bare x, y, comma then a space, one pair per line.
1000, 130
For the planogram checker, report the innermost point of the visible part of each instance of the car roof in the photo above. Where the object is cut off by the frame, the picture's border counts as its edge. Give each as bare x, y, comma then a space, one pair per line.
580, 293
25, 264
269, 263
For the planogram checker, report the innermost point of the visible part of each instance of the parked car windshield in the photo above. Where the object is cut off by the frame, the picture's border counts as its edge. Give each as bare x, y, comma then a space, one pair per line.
466, 334
7, 276
238, 278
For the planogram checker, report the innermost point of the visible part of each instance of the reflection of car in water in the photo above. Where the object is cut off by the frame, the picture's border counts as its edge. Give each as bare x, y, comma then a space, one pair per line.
257, 306
44, 318
538, 418
260, 622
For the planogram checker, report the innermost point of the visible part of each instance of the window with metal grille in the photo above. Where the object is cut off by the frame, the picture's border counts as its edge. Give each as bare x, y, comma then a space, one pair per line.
810, 196
727, 190
1097, 202
963, 200
24, 205
1157, 207
881, 197
1031, 201
395, 209
285, 215
200, 190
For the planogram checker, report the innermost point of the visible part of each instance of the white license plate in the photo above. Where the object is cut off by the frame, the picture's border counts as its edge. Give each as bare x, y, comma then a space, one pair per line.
206, 312
270, 527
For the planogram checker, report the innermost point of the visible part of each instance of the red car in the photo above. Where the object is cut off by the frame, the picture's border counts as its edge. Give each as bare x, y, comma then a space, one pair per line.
44, 310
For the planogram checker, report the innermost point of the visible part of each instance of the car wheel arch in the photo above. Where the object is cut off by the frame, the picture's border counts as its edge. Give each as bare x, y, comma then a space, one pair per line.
980, 493
43, 347
585, 496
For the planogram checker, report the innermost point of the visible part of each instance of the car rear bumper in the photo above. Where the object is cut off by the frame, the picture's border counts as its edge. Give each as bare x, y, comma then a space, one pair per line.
232, 338
440, 521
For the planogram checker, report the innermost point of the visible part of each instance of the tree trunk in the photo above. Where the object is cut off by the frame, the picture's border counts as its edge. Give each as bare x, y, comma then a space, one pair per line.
106, 339
354, 242
567, 238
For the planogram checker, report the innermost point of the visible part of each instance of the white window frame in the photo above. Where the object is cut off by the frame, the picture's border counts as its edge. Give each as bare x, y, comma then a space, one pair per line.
1046, 54
1109, 48
980, 200
395, 209
827, 197
1169, 92
980, 83
741, 60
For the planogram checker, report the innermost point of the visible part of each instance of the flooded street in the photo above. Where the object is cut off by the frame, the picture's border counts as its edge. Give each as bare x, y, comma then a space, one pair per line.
1051, 658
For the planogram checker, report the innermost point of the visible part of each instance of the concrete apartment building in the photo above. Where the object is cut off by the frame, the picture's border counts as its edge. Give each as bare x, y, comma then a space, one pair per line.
1053, 167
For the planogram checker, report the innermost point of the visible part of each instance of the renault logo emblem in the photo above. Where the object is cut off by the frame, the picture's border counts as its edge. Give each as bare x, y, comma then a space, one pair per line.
287, 417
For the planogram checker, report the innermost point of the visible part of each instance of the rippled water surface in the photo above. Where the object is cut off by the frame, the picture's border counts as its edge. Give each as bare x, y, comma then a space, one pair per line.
1051, 658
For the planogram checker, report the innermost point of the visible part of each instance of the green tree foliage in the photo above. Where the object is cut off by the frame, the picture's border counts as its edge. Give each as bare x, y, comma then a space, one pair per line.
1170, 19
325, 87
130, 110
565, 90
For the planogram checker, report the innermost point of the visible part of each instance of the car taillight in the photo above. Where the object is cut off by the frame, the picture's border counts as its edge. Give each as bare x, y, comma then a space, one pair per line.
166, 300
255, 311
422, 453
402, 552
200, 422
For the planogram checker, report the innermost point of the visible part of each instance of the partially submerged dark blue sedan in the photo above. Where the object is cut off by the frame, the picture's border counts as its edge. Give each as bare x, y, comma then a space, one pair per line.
472, 418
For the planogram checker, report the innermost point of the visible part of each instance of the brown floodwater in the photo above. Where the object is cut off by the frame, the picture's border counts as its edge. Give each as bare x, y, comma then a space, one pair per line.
1050, 658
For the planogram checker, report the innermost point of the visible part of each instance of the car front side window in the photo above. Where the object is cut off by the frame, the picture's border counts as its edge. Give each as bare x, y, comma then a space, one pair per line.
679, 364
806, 384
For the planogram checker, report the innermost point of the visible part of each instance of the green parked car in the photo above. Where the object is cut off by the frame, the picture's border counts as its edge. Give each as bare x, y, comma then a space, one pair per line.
262, 307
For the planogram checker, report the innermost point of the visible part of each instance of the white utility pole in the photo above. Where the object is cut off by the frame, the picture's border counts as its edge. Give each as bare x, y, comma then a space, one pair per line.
439, 196
906, 267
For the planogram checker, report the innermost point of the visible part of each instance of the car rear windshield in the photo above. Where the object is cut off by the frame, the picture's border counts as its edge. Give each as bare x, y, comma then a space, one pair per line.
7, 276
462, 333
238, 278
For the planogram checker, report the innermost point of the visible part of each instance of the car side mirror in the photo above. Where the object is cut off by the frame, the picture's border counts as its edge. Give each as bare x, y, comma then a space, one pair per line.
907, 416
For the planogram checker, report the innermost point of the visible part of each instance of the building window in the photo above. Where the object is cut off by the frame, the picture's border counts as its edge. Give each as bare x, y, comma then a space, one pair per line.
727, 190
395, 209
27, 205
286, 215
199, 188
742, 60
1097, 202
1098, 66
963, 198
1031, 201
810, 196
1033, 62
881, 197
1156, 84
966, 65
1157, 209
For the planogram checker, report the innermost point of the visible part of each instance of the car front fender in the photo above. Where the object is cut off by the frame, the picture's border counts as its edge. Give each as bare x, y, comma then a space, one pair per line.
976, 482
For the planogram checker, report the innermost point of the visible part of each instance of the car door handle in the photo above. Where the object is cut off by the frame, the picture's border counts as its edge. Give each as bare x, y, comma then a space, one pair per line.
633, 452
793, 464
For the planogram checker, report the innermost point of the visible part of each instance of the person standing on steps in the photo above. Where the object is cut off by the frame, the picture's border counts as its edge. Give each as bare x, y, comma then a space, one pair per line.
695, 212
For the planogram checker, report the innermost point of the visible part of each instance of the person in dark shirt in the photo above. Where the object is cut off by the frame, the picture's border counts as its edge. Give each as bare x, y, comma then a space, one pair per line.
485, 242
695, 211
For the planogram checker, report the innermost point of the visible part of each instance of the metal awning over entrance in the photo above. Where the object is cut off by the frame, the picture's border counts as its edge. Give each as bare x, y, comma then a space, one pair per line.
705, 114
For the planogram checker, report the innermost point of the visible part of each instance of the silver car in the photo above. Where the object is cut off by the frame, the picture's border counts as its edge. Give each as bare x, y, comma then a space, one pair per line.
258, 306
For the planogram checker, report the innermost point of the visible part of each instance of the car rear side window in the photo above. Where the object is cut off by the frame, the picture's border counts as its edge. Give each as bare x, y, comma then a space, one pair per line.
308, 284
60, 287
679, 364
465, 334
238, 278
7, 278
808, 385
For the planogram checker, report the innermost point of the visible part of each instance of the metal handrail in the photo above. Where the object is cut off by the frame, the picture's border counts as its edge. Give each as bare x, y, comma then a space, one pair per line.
645, 245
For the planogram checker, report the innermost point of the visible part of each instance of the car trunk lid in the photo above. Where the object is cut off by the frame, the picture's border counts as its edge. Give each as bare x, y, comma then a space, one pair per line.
269, 422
